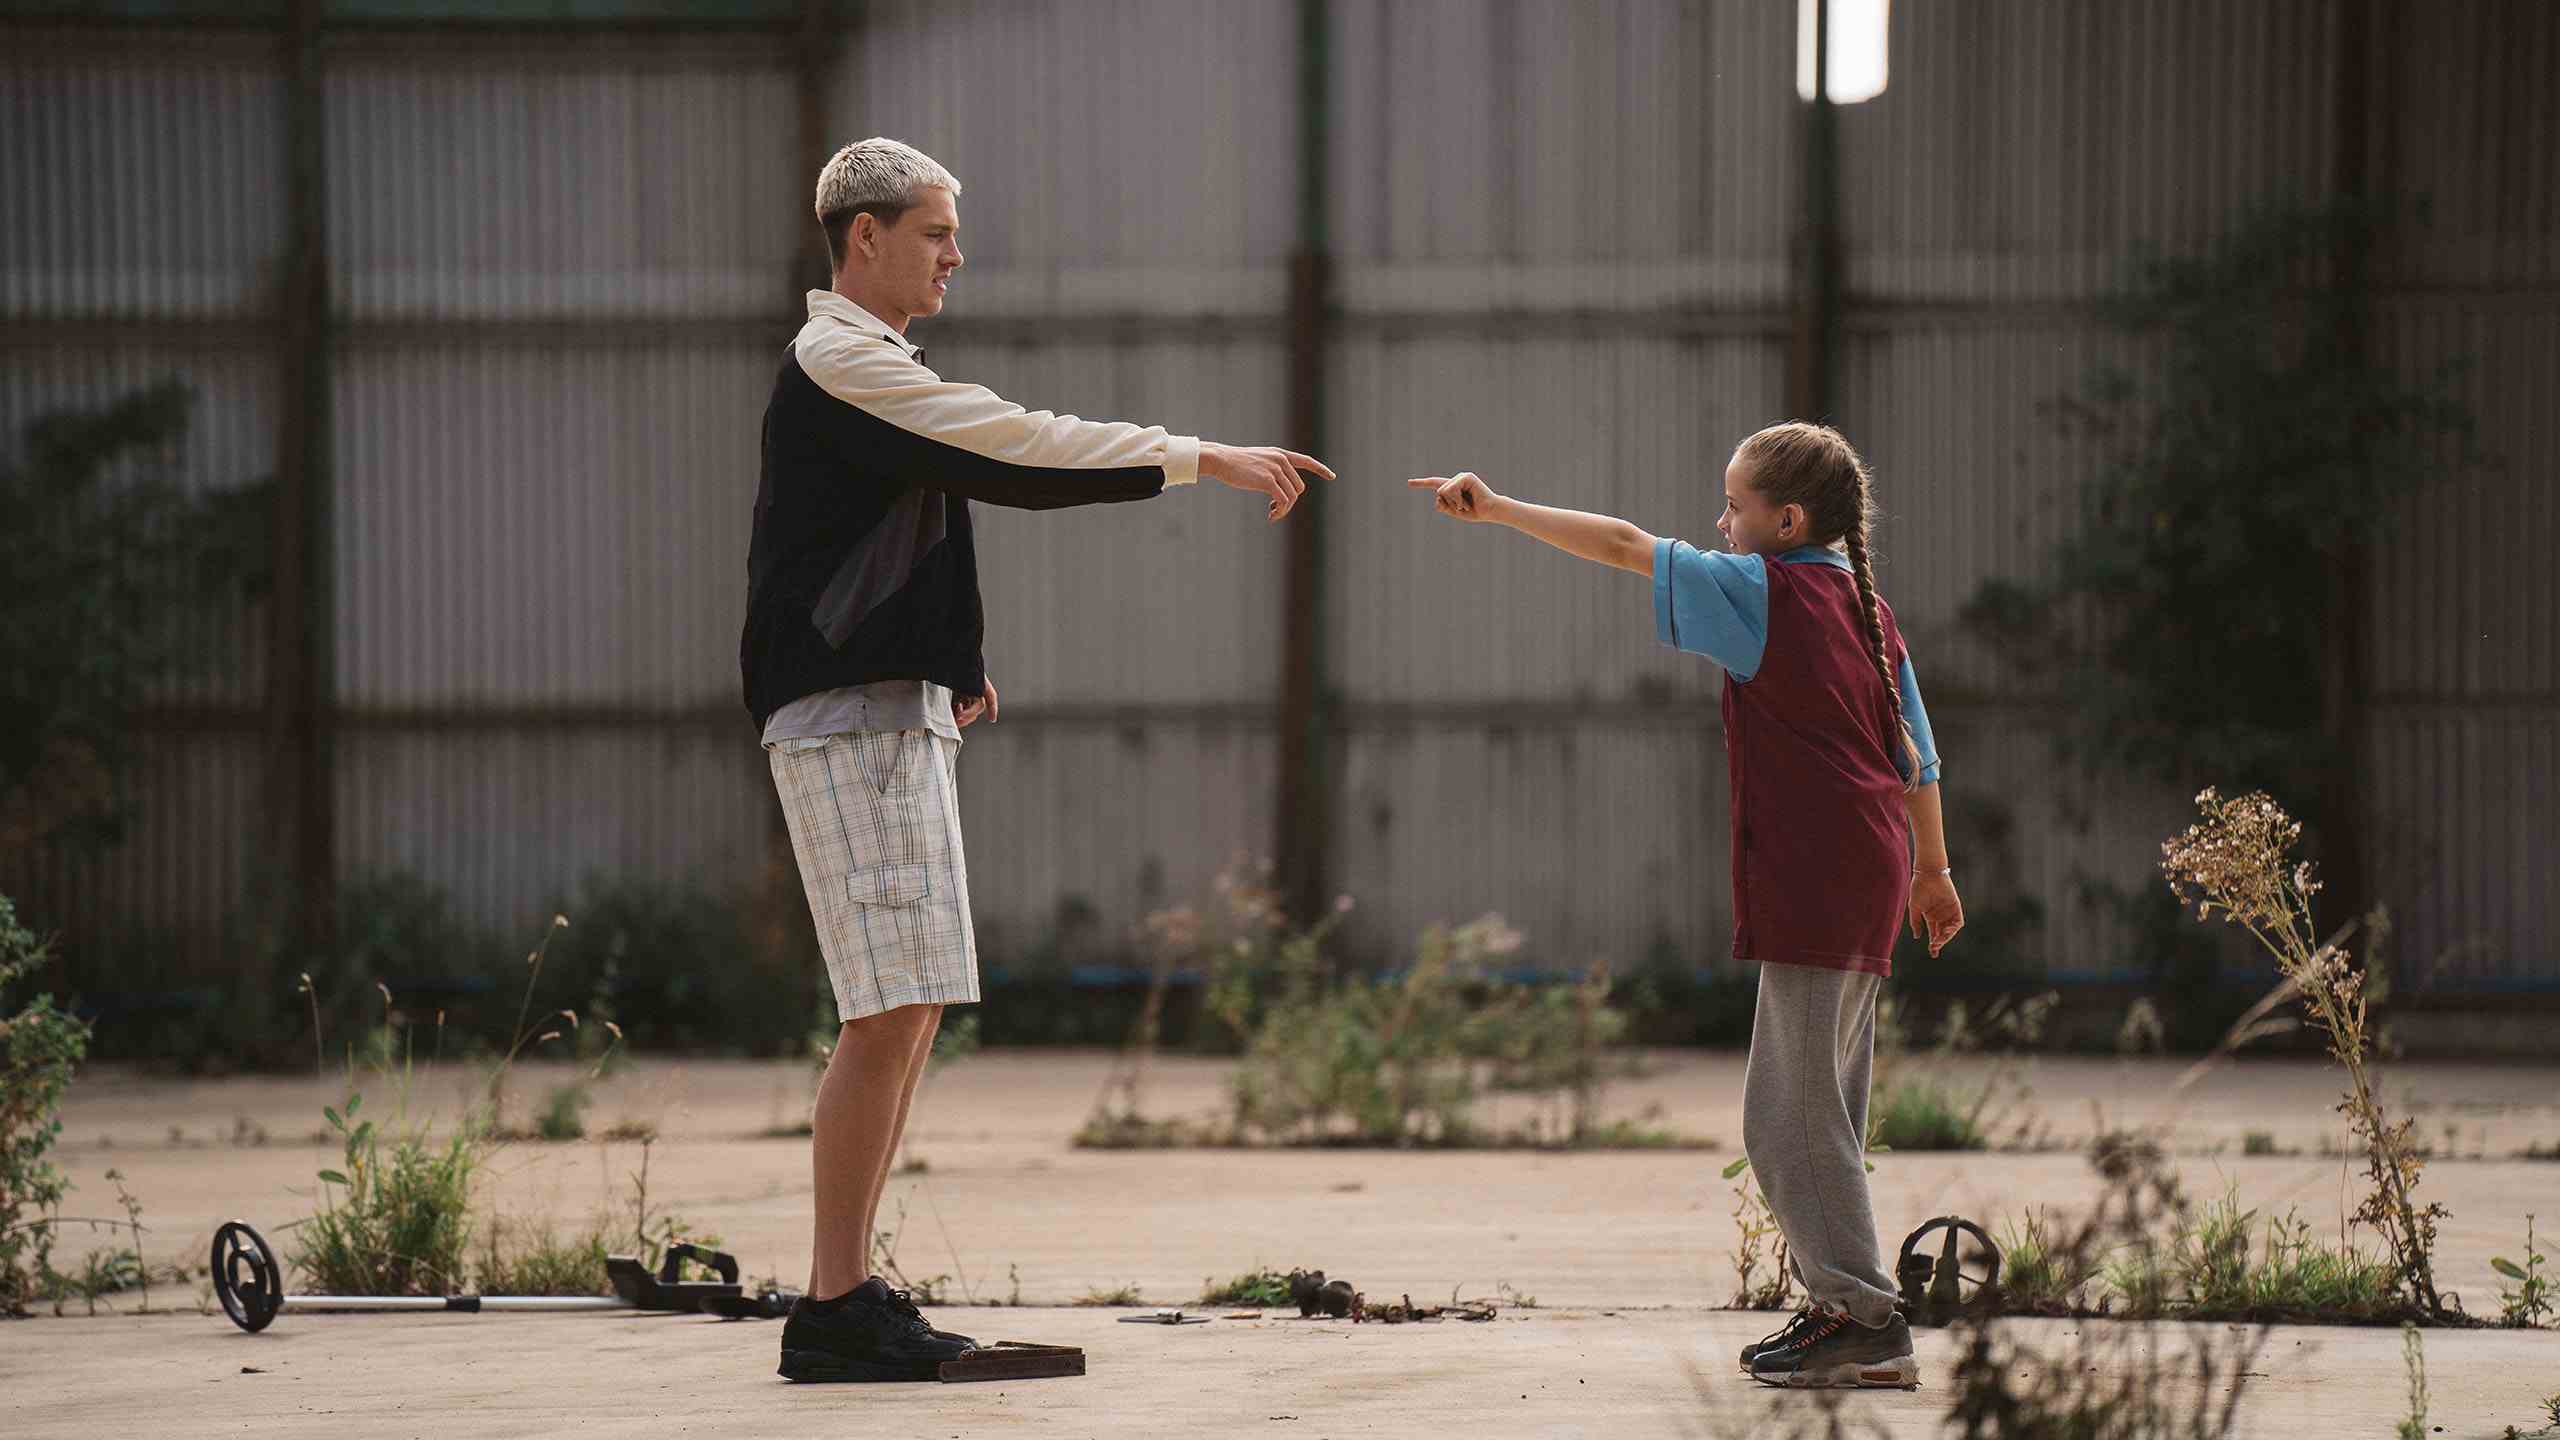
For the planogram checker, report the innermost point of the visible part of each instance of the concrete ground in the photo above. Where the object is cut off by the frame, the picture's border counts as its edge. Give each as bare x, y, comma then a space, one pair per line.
1625, 1254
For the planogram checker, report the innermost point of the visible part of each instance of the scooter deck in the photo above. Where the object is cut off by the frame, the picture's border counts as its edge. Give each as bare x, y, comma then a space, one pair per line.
1015, 1360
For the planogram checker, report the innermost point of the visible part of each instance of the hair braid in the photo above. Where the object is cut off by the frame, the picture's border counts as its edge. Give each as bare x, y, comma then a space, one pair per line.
1873, 619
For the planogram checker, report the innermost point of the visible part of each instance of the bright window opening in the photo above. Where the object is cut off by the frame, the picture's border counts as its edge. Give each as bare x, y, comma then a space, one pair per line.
1857, 49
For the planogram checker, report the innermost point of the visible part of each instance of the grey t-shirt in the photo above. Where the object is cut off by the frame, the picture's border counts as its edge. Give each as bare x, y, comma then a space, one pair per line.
879, 706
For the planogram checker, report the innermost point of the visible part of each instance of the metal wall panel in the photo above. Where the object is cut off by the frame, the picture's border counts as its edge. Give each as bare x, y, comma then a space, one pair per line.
1124, 819
1175, 600
512, 821
139, 188
1975, 479
230, 443
1432, 611
184, 869
1505, 157
1114, 155
1597, 840
2465, 822
2024, 149
2469, 129
495, 190
537, 525
2466, 603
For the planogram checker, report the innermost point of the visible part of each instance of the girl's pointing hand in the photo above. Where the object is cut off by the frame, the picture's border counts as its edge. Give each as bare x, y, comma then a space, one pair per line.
1464, 495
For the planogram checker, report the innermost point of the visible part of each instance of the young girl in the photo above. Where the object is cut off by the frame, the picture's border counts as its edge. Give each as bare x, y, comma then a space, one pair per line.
1836, 837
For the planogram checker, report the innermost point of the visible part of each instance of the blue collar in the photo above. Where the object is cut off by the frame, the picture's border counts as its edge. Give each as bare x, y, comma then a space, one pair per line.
1815, 555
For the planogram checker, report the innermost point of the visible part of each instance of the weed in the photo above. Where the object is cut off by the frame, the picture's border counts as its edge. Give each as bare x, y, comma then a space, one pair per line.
1123, 1295
563, 1115
1925, 1114
2104, 1381
1393, 1060
2036, 1274
396, 1212
1109, 1129
2234, 861
2290, 1276
1758, 1241
2530, 1303
2413, 1354
1514, 1298
399, 1221
928, 1290
1929, 1108
2258, 1142
1264, 1287
530, 1258
101, 1273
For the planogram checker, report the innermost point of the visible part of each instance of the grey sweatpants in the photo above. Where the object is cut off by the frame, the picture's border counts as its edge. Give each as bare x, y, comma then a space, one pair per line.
1804, 1125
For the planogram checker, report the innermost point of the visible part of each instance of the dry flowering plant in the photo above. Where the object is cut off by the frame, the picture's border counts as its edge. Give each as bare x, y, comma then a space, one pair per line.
2236, 862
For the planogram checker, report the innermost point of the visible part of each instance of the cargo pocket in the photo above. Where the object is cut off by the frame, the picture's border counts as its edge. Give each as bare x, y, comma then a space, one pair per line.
889, 886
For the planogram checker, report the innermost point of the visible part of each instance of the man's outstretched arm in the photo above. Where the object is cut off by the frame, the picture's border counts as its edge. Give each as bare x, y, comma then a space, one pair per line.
970, 441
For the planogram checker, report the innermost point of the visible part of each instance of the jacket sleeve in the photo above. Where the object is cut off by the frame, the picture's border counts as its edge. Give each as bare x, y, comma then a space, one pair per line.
967, 440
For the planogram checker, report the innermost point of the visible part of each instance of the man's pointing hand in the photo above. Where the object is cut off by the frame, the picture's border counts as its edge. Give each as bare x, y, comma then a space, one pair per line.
1262, 469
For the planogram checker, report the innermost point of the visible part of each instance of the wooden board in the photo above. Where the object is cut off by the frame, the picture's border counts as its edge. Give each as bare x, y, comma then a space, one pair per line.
1015, 1360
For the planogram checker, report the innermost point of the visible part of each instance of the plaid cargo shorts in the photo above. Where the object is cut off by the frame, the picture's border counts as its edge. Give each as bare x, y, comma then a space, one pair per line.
875, 825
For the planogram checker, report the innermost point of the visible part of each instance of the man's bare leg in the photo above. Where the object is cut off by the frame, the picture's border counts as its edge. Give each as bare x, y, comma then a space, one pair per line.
907, 1101
860, 1114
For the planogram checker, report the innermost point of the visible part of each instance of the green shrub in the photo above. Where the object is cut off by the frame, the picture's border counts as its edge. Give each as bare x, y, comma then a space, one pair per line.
40, 1047
395, 1217
2219, 1274
529, 1258
564, 1113
1263, 1287
1400, 1060
1925, 1113
2530, 1302
2038, 1271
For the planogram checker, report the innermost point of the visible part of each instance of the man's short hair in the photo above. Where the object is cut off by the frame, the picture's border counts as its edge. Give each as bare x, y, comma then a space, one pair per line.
878, 177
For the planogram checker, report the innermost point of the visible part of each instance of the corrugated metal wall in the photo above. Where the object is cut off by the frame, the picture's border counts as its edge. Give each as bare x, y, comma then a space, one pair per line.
1562, 241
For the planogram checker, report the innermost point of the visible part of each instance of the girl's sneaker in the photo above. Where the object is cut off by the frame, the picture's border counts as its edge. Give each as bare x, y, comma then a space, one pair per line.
1834, 1350
1784, 1336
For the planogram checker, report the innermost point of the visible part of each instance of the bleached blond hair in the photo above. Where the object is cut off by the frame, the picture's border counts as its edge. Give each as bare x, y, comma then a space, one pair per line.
878, 171
879, 177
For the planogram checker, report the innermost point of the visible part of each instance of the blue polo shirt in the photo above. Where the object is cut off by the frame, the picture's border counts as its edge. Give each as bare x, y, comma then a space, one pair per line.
1716, 604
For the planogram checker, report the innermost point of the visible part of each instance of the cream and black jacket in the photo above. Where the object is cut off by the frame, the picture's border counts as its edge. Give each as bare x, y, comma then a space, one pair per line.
861, 566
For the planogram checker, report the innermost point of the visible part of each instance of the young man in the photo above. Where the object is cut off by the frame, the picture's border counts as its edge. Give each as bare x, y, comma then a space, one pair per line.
862, 665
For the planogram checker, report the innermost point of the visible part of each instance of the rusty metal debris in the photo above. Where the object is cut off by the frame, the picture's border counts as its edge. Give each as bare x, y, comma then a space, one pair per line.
1404, 1310
1336, 1299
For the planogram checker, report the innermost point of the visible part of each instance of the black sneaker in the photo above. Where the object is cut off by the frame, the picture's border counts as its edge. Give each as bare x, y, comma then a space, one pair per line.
904, 1303
1784, 1336
1836, 1350
872, 1333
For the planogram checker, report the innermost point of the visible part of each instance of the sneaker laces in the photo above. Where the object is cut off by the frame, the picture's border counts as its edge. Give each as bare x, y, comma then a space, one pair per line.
1785, 1335
902, 1303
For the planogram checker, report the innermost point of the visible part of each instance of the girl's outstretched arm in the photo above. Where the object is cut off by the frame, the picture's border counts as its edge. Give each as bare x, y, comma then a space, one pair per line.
1601, 538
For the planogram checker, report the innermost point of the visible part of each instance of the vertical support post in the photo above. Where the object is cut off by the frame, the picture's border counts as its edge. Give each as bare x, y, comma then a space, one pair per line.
782, 926
2345, 714
299, 739
1817, 302
1305, 773
814, 62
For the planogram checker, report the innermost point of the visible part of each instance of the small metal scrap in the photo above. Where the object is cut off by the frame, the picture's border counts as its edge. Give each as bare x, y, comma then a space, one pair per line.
1167, 1315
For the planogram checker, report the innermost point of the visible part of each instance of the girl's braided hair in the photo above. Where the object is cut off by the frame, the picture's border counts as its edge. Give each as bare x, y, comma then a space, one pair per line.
1814, 466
